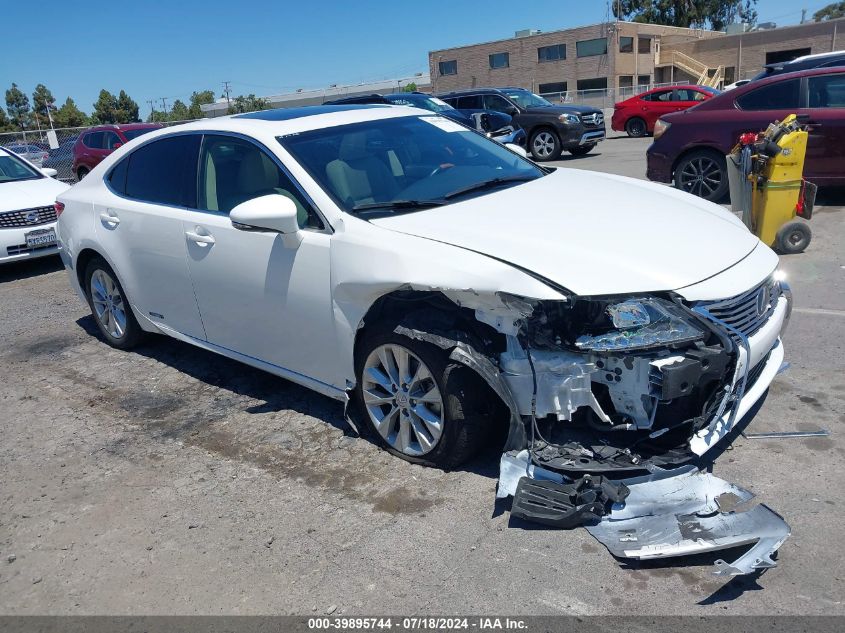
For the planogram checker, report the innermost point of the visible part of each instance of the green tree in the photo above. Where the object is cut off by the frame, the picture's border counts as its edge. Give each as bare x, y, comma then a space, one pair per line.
411, 87
126, 110
105, 109
831, 12
42, 101
5, 124
17, 103
179, 111
69, 115
199, 99
249, 103
715, 14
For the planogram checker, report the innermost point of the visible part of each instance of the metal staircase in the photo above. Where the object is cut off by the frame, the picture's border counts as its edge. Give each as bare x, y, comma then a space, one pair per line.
692, 67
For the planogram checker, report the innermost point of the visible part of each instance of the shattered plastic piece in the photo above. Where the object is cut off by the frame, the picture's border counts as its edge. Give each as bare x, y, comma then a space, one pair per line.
683, 512
565, 505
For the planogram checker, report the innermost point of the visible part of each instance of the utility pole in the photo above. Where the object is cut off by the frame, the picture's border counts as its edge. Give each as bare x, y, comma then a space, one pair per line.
164, 105
152, 109
803, 15
226, 91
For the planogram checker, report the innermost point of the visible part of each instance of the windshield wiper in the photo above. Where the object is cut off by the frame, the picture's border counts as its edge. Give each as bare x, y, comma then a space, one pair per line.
398, 204
488, 184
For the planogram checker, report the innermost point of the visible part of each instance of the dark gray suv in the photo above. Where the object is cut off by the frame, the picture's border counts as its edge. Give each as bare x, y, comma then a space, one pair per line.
550, 128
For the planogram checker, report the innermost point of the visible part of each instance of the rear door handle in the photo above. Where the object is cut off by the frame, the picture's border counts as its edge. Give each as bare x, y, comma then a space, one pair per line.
108, 217
202, 240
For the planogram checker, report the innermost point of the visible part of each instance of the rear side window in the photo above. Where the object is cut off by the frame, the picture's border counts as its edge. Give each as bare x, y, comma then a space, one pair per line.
470, 103
827, 91
94, 140
664, 95
783, 95
164, 171
117, 177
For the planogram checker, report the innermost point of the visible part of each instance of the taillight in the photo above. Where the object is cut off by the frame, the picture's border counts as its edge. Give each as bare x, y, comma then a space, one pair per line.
60, 206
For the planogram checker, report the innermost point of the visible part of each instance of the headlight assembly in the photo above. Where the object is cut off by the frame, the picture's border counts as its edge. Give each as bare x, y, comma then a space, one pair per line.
569, 118
640, 324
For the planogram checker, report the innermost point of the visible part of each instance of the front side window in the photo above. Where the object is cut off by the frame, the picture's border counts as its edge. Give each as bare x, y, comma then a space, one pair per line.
589, 48
827, 91
497, 103
783, 95
13, 168
111, 140
449, 67
405, 164
659, 96
500, 60
551, 53
626, 44
233, 170
470, 102
525, 99
164, 171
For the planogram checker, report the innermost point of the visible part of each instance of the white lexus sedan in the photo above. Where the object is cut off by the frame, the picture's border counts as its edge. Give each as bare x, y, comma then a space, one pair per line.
27, 211
439, 282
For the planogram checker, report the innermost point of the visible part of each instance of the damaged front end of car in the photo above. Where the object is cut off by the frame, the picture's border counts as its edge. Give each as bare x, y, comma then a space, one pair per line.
615, 399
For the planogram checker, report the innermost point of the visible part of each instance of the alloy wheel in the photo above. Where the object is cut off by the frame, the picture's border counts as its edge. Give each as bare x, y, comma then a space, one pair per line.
701, 176
543, 144
402, 400
109, 307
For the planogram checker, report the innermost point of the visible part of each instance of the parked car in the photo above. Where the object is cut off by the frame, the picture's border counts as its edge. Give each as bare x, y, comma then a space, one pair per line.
637, 115
27, 209
498, 125
805, 62
61, 159
96, 143
31, 152
550, 128
689, 147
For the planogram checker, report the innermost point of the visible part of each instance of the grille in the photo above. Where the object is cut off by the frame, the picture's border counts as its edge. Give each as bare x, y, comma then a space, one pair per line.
593, 119
27, 217
20, 249
749, 311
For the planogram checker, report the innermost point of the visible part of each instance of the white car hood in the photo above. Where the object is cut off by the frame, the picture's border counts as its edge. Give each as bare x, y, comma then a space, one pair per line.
591, 233
28, 194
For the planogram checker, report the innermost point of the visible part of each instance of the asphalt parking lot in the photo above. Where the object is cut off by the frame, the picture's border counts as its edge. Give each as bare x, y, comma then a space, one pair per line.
172, 481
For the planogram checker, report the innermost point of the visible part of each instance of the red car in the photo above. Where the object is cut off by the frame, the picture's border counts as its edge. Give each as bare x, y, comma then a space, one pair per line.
637, 115
94, 144
689, 147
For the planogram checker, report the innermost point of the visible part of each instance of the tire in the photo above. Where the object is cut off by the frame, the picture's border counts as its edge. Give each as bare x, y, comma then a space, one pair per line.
793, 237
636, 127
581, 150
110, 307
81, 173
703, 173
545, 145
461, 409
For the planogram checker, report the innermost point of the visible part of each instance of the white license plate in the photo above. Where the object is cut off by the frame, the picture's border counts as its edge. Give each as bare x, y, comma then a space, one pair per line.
40, 239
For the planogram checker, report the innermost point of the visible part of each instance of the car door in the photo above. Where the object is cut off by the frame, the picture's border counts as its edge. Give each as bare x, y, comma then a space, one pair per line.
684, 98
826, 123
654, 105
260, 293
138, 222
92, 149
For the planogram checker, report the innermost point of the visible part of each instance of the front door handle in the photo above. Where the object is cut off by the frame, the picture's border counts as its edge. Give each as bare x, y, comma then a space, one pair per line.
108, 217
202, 240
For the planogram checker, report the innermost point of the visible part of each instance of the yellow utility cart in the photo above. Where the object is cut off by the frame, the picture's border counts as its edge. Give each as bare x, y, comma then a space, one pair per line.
765, 175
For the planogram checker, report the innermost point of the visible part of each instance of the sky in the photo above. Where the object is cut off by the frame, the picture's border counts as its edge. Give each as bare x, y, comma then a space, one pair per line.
154, 49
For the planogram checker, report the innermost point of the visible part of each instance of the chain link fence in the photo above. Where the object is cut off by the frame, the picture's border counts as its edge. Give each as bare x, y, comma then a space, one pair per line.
604, 98
54, 148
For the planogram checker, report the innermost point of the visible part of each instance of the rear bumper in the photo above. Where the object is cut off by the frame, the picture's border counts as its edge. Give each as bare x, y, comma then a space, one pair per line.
617, 121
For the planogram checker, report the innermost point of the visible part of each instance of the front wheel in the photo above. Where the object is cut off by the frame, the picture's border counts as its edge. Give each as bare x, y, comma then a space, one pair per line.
421, 406
545, 145
110, 306
581, 150
793, 237
703, 173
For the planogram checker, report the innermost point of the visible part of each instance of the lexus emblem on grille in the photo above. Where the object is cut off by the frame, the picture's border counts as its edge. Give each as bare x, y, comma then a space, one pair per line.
31, 217
762, 301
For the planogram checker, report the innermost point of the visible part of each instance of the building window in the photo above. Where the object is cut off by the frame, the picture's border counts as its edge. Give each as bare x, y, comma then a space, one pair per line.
555, 86
551, 53
588, 48
500, 60
599, 83
643, 44
779, 57
626, 81
730, 75
449, 68
643, 80
626, 44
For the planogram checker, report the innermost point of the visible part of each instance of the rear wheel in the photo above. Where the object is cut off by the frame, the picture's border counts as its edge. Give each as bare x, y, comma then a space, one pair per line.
110, 306
421, 406
703, 173
636, 127
581, 150
793, 237
545, 145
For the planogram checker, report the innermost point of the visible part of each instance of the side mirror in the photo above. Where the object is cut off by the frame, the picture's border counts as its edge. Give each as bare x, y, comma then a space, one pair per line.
49, 172
512, 111
516, 149
273, 212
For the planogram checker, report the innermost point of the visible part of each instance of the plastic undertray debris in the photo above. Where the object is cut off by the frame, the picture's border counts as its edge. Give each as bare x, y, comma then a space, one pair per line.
671, 513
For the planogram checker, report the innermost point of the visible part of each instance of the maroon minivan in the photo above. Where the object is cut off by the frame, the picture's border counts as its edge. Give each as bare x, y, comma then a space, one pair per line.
689, 147
94, 144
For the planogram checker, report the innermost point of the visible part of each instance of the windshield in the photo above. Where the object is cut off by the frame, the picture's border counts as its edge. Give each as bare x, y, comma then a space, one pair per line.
405, 163
525, 99
13, 168
712, 91
420, 101
130, 134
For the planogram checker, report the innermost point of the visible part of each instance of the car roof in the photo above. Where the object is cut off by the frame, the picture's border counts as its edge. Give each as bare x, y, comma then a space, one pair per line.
123, 126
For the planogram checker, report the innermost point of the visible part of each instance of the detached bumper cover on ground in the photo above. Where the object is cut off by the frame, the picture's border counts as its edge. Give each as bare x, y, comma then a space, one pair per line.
665, 514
